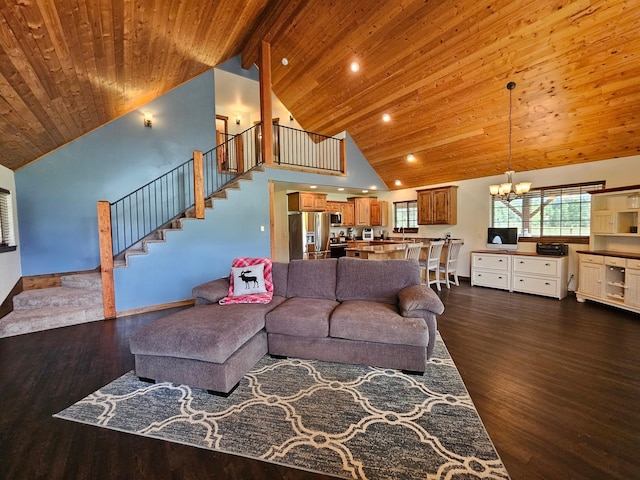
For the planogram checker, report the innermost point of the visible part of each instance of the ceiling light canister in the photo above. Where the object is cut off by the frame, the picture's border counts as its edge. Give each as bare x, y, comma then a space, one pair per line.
386, 117
411, 157
355, 66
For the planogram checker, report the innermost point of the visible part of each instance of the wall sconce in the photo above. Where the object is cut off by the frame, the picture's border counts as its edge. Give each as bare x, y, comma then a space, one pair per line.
147, 119
238, 118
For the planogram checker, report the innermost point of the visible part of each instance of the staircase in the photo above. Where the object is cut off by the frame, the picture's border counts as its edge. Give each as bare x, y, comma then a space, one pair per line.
160, 235
78, 300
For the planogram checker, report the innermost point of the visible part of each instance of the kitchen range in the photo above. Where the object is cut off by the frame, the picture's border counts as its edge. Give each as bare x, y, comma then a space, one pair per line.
338, 245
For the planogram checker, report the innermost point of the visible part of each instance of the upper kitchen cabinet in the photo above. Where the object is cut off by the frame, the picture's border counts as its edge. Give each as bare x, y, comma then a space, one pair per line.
362, 210
347, 209
438, 206
307, 202
379, 213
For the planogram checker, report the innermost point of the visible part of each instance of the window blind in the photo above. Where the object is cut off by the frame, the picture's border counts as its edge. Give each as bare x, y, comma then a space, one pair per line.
6, 220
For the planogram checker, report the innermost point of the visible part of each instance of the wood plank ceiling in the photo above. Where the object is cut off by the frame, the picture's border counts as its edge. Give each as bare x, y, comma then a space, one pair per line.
438, 68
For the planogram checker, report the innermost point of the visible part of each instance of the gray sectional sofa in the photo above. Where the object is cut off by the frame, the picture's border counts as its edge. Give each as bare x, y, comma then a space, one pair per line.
341, 310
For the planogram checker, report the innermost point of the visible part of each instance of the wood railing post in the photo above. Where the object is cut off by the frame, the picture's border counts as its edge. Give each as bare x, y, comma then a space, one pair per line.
343, 156
198, 184
106, 259
239, 148
266, 105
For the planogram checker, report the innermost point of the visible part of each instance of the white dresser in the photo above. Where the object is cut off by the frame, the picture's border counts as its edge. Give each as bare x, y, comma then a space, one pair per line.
545, 275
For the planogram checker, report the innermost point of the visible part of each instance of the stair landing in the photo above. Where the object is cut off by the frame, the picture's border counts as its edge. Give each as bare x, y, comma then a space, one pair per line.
78, 300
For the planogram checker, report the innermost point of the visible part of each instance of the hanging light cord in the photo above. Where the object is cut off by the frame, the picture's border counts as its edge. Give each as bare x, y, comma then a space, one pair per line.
510, 87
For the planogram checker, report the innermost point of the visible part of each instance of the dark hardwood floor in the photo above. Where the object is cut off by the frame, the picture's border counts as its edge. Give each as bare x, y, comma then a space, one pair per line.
557, 384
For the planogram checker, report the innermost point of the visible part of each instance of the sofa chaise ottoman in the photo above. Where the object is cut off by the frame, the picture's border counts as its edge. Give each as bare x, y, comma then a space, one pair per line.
339, 310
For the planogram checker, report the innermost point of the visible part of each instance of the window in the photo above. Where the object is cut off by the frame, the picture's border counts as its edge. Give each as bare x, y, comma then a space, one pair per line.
6, 219
406, 216
561, 213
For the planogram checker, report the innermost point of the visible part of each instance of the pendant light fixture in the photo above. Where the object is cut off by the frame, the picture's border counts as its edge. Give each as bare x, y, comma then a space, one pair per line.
508, 191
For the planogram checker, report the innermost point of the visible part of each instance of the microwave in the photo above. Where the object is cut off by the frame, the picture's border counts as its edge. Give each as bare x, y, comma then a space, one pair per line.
336, 219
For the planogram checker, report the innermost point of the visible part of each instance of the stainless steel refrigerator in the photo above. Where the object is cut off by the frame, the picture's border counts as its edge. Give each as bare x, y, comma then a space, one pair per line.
308, 235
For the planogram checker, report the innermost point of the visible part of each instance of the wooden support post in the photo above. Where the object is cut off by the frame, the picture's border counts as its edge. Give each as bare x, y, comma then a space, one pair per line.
272, 219
106, 259
343, 156
198, 184
239, 148
266, 105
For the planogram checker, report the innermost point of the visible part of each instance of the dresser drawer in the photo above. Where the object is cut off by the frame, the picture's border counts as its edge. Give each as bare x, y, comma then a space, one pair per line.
599, 259
535, 265
616, 261
633, 263
491, 279
538, 286
494, 262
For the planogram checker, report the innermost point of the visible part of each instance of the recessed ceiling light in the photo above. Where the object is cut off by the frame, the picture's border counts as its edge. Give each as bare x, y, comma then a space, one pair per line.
285, 61
313, 186
340, 189
386, 117
398, 182
411, 158
373, 187
365, 191
355, 66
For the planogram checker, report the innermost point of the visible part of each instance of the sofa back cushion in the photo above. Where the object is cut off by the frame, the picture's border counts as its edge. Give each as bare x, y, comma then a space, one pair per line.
375, 280
279, 273
312, 278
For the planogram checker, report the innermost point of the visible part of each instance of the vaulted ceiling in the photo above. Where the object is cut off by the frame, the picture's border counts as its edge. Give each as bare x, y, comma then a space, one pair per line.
439, 69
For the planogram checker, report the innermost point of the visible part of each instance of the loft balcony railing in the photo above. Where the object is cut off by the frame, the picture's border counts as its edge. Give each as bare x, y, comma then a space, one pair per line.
166, 198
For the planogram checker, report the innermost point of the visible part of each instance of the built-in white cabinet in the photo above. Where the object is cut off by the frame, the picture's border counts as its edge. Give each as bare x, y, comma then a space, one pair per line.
609, 272
610, 278
521, 272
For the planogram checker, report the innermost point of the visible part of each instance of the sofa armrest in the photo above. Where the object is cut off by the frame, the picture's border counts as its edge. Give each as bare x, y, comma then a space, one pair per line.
211, 292
419, 297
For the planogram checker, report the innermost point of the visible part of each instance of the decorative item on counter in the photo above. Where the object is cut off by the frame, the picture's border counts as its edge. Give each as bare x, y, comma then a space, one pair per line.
633, 229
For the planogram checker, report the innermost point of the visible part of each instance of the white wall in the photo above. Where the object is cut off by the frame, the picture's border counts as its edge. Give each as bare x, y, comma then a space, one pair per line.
10, 270
474, 203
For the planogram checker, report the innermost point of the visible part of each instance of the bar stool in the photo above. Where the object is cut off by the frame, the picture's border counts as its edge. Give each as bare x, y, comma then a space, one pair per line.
433, 263
412, 251
450, 265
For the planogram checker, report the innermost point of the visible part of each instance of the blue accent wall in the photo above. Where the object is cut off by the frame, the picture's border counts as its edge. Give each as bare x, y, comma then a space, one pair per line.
57, 199
201, 251
57, 195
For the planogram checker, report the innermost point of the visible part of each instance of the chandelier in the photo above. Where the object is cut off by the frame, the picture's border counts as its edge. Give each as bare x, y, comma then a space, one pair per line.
508, 191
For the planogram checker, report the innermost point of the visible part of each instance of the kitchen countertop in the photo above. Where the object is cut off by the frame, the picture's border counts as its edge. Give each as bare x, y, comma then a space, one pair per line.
377, 252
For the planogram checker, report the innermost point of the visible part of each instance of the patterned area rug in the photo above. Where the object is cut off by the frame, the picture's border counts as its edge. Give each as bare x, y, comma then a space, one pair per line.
348, 421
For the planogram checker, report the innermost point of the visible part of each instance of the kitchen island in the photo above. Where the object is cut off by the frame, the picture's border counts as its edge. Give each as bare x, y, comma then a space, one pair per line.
387, 251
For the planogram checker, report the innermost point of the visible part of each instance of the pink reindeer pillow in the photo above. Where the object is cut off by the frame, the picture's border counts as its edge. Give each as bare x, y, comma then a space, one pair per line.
250, 281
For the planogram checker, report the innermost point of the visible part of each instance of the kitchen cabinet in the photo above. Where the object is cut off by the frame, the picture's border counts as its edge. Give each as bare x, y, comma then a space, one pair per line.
438, 206
544, 275
333, 207
307, 202
379, 213
362, 211
348, 214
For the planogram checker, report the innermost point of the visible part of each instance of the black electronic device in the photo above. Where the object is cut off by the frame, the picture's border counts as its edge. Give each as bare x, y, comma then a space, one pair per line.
551, 248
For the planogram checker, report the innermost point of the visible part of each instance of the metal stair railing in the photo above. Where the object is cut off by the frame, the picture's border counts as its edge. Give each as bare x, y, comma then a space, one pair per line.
166, 198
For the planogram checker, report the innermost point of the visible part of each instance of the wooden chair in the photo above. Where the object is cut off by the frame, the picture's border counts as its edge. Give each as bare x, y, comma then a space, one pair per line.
412, 251
450, 265
432, 263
